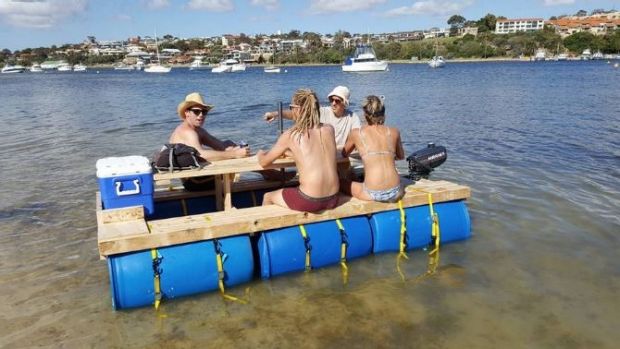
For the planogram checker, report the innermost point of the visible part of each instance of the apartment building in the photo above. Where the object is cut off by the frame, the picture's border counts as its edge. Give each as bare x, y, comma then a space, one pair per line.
505, 26
599, 25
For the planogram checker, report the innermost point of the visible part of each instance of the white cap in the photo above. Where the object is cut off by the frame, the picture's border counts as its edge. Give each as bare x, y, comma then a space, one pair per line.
341, 92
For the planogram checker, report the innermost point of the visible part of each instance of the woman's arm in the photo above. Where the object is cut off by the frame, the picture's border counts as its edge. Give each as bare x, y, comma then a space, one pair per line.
400, 152
266, 158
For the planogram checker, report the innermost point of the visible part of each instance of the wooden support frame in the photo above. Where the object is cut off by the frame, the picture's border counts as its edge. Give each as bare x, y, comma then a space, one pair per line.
125, 231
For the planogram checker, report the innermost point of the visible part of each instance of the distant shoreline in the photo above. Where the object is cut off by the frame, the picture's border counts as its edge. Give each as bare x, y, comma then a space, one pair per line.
425, 61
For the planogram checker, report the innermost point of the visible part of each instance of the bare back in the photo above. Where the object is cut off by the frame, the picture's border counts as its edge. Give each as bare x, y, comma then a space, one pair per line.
315, 158
379, 147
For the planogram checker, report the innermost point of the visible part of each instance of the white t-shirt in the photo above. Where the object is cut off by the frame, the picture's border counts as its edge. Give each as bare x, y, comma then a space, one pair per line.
342, 125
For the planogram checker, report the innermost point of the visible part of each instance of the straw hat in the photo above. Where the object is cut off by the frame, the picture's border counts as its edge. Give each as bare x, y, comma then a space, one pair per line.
191, 100
342, 92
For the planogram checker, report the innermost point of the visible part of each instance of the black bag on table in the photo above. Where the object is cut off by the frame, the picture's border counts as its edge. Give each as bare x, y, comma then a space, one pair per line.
176, 156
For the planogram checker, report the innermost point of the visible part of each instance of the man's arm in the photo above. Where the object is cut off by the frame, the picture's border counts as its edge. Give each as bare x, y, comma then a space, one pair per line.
272, 115
281, 146
192, 139
349, 146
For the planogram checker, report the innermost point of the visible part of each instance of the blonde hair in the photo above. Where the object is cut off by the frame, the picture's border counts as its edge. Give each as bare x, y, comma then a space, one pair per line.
309, 116
374, 110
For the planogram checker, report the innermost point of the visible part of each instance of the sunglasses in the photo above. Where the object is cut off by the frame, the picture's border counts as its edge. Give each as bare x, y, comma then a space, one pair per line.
335, 100
293, 106
198, 111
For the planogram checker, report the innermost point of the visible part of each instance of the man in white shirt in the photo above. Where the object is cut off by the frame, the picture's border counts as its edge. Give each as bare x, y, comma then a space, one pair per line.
337, 114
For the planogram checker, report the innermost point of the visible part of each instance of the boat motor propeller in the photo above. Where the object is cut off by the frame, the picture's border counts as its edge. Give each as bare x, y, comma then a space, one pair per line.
423, 161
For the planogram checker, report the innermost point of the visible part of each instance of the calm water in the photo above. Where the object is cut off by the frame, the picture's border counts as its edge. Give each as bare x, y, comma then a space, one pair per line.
539, 144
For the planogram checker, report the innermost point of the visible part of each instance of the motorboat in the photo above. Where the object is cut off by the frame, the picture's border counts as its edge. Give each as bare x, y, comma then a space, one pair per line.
79, 68
586, 55
64, 67
562, 57
272, 69
51, 65
140, 64
197, 64
36, 68
8, 69
437, 62
540, 54
156, 67
221, 68
236, 65
123, 66
597, 55
364, 60
229, 65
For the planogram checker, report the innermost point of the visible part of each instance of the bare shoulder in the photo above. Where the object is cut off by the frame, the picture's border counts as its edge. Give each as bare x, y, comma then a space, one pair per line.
394, 131
182, 134
328, 128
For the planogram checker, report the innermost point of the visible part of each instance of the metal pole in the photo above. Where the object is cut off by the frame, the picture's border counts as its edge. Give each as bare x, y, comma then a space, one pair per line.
281, 117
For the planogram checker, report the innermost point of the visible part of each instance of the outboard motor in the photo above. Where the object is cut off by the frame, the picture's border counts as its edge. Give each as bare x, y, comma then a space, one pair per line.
423, 161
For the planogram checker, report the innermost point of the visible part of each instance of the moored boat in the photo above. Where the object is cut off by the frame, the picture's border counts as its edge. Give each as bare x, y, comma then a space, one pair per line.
79, 68
9, 69
36, 68
437, 62
364, 60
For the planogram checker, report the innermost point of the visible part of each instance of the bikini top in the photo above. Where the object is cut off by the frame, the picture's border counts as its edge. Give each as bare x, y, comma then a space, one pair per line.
377, 152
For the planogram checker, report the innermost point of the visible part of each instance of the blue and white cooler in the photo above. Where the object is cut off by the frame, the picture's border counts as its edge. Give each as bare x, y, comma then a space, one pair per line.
126, 181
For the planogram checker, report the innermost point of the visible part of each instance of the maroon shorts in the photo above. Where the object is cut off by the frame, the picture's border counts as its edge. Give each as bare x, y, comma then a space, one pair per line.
298, 201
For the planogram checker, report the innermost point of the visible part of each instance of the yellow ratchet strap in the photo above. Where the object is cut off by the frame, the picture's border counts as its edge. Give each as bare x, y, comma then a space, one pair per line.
220, 275
343, 251
156, 277
403, 239
304, 234
435, 232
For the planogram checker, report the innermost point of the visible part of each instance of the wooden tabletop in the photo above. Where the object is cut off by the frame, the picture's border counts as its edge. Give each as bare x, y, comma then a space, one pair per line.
229, 166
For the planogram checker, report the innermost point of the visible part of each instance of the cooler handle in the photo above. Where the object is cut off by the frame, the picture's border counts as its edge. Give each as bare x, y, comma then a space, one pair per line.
136, 183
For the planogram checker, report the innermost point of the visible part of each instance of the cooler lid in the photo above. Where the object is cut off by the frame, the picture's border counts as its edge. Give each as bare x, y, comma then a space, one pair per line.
123, 166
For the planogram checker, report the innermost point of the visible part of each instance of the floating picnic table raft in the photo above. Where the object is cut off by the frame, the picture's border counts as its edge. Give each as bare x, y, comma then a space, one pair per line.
173, 243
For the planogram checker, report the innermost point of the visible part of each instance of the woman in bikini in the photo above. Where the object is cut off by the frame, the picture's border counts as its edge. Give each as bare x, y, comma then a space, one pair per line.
314, 149
379, 146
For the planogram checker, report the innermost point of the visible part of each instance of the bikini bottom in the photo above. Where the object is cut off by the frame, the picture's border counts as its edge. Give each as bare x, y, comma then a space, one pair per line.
384, 195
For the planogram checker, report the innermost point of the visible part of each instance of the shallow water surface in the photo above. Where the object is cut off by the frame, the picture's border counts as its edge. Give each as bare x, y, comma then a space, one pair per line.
537, 142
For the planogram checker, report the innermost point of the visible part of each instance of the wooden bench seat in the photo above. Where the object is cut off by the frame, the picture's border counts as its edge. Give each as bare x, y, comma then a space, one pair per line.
126, 230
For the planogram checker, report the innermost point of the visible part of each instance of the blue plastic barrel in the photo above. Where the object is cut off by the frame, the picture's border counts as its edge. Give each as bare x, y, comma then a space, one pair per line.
185, 270
454, 224
283, 250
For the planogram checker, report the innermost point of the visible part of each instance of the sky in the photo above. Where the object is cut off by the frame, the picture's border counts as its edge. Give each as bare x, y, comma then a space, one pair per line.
43, 23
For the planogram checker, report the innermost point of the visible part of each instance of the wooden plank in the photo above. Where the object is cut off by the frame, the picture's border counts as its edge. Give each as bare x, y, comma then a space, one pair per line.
178, 192
248, 164
124, 214
227, 195
186, 229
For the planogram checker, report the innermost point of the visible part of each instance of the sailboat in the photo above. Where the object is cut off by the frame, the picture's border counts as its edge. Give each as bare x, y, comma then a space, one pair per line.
272, 68
156, 67
437, 61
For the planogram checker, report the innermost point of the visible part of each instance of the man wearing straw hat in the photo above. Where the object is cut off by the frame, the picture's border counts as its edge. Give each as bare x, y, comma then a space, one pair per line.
193, 112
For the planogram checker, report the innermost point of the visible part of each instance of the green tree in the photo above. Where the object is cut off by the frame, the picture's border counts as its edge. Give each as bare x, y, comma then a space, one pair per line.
486, 23
456, 22
578, 42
